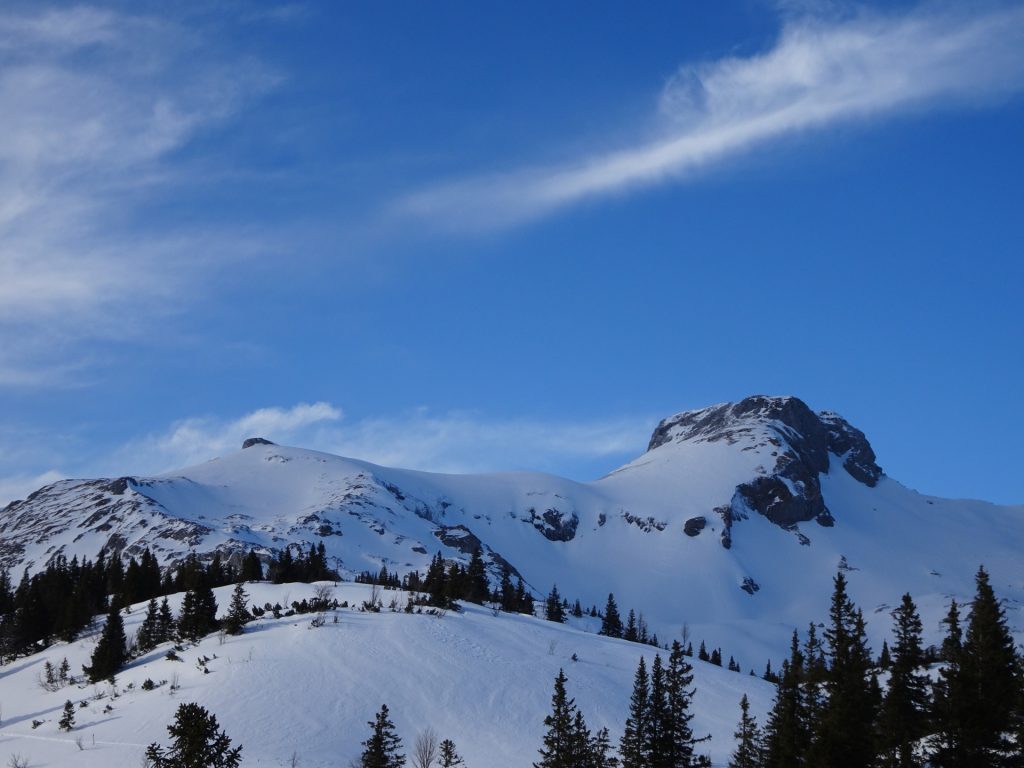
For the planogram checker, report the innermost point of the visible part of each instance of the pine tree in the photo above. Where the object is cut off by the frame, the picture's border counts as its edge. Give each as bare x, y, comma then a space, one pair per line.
601, 755
566, 738
449, 757
238, 614
749, 751
476, 579
553, 610
147, 637
787, 733
843, 738
903, 719
165, 623
67, 718
633, 745
659, 719
678, 737
252, 569
196, 743
950, 699
111, 651
383, 748
611, 624
198, 613
630, 633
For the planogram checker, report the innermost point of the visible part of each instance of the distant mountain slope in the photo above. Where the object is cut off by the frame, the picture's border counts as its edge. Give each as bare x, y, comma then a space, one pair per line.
733, 522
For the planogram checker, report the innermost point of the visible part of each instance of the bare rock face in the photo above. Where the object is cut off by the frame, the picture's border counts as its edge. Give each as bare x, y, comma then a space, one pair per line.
803, 443
250, 442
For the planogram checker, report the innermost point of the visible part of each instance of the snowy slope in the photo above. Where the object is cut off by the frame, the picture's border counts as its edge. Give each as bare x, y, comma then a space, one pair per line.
283, 688
785, 497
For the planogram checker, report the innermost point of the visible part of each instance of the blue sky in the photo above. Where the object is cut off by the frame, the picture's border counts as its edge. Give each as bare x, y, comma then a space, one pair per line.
507, 236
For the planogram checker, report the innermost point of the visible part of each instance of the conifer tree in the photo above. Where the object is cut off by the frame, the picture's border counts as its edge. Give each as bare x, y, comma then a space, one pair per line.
448, 756
659, 719
903, 719
566, 731
196, 742
749, 752
198, 613
149, 631
383, 748
165, 623
630, 632
553, 610
252, 568
679, 741
111, 651
238, 612
611, 624
601, 755
633, 745
787, 733
843, 737
476, 579
67, 718
950, 699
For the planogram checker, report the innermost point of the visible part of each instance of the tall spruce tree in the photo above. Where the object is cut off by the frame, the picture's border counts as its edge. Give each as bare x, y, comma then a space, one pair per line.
844, 735
448, 756
383, 748
566, 742
679, 741
238, 612
477, 588
788, 732
198, 613
633, 745
611, 624
553, 610
658, 732
749, 752
146, 639
951, 700
903, 720
111, 651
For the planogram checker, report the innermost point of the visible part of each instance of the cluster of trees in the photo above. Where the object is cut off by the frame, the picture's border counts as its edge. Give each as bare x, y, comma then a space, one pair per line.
830, 707
59, 602
383, 747
445, 582
657, 733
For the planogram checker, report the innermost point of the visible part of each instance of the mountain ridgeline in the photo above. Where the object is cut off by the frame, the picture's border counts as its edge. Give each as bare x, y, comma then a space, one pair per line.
736, 513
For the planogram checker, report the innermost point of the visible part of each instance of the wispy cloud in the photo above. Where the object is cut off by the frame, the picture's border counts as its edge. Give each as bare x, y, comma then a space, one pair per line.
420, 439
821, 71
93, 105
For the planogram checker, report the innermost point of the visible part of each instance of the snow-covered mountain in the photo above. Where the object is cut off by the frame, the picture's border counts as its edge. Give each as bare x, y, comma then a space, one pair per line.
731, 523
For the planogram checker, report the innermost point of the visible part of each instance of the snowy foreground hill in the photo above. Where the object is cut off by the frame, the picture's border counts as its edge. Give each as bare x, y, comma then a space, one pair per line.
732, 523
284, 688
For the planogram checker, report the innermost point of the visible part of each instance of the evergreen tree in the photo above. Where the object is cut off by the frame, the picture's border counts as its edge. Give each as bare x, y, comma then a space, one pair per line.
196, 743
749, 752
198, 613
477, 587
702, 654
983, 690
633, 746
630, 633
165, 623
111, 651
553, 610
507, 592
903, 719
611, 624
843, 737
147, 637
566, 739
678, 737
787, 734
448, 756
950, 699
659, 719
383, 748
238, 613
252, 568
67, 718
601, 755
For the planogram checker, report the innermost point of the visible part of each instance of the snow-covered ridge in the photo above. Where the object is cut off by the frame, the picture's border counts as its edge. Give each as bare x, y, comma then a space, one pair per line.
732, 522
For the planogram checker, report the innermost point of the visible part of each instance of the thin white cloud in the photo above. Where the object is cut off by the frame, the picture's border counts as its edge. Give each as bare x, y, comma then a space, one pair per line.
93, 103
438, 442
820, 72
